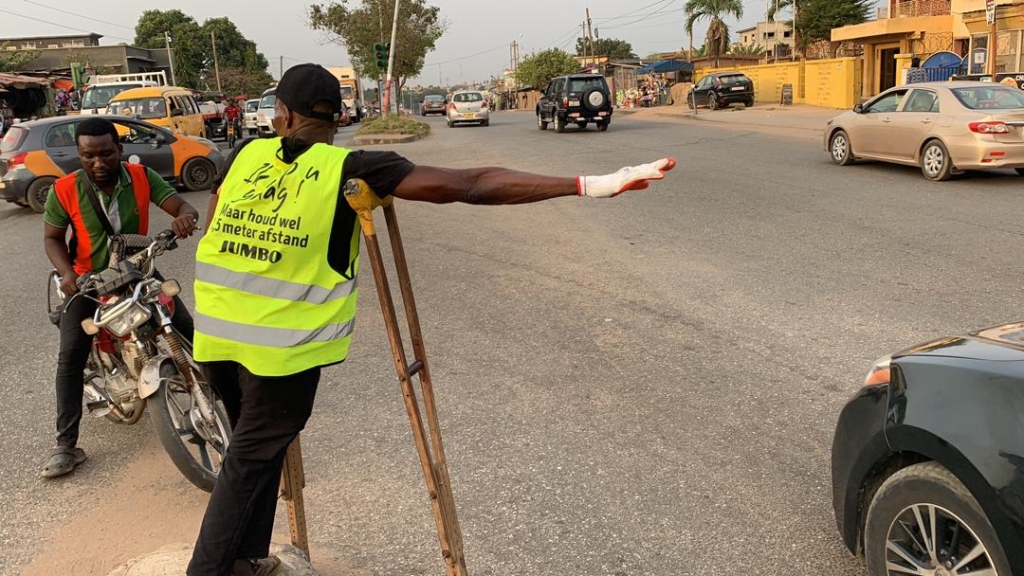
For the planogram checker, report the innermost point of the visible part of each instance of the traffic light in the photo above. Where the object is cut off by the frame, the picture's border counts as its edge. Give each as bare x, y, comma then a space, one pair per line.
380, 54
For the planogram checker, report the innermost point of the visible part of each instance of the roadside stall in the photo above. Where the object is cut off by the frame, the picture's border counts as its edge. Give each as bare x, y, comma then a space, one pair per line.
24, 97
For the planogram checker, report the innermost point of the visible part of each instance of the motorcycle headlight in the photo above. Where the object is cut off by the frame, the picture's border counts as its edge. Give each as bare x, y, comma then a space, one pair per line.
129, 320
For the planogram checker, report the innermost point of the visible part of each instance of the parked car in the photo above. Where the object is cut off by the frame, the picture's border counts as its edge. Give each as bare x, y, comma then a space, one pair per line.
251, 108
34, 154
577, 98
722, 90
943, 127
345, 117
265, 114
433, 104
928, 459
468, 107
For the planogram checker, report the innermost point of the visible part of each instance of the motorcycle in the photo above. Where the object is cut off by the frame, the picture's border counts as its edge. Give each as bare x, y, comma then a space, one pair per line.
138, 357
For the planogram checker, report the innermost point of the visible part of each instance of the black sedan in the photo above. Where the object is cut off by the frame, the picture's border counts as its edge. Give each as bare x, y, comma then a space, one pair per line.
928, 459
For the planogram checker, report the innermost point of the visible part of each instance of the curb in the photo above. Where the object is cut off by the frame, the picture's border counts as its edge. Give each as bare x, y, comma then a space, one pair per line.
376, 139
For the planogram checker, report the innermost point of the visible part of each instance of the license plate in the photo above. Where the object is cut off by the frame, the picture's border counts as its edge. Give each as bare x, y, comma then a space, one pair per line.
574, 102
470, 115
737, 88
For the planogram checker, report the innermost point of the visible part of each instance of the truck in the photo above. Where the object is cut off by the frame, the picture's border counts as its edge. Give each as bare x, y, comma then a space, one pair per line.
351, 90
103, 87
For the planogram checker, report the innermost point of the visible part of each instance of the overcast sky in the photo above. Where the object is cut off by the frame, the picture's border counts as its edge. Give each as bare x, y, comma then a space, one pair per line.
475, 47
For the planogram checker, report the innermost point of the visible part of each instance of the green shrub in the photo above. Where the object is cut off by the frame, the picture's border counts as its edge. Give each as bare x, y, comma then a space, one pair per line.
393, 124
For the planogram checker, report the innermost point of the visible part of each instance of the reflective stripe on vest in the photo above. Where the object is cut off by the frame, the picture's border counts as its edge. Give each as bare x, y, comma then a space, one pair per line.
266, 296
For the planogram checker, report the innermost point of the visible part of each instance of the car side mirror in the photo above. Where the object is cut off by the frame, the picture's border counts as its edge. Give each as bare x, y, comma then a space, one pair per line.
859, 108
177, 112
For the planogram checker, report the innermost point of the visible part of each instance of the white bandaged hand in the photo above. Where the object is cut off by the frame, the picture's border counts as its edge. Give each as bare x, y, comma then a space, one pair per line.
629, 178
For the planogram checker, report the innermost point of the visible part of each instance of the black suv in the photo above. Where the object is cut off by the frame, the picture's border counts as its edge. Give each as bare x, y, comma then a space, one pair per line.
578, 98
720, 90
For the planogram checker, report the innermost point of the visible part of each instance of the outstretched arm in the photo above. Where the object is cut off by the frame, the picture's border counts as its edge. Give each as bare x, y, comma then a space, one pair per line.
495, 186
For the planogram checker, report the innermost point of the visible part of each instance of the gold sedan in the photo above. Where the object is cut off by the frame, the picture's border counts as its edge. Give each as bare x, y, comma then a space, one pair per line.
943, 127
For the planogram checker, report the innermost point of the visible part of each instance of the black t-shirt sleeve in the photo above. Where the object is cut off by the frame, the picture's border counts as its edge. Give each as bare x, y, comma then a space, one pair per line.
382, 171
227, 165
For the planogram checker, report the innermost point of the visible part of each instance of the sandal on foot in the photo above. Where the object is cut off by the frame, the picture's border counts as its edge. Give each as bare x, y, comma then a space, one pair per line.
262, 567
63, 460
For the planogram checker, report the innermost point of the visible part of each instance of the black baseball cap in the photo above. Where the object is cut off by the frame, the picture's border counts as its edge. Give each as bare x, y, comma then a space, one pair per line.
305, 85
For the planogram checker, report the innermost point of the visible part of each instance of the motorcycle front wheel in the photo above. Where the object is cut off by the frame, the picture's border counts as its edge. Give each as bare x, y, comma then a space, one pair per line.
196, 448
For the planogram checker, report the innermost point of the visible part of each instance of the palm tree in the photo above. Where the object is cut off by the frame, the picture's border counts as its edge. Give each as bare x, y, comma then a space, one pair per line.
718, 32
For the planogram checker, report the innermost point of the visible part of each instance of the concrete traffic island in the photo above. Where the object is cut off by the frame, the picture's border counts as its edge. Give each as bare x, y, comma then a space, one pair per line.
172, 561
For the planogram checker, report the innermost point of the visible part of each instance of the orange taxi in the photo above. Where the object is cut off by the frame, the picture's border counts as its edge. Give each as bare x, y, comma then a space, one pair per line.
35, 154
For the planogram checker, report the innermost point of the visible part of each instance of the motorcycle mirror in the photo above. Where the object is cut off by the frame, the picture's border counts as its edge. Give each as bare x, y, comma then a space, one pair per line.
89, 326
170, 288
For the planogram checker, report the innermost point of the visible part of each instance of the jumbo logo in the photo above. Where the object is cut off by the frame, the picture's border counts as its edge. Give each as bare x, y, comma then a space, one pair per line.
249, 251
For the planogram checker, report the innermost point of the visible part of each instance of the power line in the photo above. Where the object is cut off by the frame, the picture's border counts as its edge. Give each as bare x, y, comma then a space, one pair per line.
632, 12
59, 25
488, 51
660, 12
79, 15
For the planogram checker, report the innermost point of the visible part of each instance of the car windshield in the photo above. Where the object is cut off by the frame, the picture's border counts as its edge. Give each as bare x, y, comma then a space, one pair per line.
144, 108
434, 99
581, 84
99, 96
268, 101
346, 92
252, 105
468, 97
732, 79
13, 139
990, 98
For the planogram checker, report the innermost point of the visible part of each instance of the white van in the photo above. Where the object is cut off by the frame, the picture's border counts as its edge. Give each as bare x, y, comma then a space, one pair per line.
103, 87
265, 114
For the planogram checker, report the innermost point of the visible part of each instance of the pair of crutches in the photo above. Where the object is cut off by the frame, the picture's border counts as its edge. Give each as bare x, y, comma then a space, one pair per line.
428, 438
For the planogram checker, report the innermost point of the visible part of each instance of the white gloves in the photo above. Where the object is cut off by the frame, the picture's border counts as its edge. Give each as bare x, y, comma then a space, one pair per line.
629, 178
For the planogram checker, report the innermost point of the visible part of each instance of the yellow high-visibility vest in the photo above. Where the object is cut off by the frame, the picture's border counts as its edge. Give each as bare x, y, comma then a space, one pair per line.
266, 296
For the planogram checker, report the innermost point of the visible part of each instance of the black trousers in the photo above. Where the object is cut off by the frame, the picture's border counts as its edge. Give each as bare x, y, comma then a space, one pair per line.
75, 346
266, 415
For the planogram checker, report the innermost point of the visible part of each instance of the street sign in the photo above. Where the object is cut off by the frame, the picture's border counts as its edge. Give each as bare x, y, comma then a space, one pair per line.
990, 12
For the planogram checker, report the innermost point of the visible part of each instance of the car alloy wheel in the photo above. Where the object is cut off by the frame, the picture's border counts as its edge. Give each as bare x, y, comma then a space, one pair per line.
712, 101
841, 153
923, 520
935, 162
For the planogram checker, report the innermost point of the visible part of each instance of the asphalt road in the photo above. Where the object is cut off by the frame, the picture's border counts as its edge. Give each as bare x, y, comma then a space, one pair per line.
642, 385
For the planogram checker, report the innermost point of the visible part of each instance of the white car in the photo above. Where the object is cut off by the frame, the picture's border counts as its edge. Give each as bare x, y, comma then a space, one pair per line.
251, 108
468, 106
265, 114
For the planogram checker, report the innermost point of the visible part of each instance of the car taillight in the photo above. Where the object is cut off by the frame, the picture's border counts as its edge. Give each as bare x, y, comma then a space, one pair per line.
565, 102
18, 160
989, 127
483, 104
718, 82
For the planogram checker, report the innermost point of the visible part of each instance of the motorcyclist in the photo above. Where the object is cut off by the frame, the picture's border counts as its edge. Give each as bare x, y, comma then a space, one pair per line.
122, 192
233, 115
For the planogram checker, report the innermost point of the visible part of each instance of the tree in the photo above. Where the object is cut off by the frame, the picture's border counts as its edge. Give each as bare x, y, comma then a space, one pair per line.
610, 47
359, 28
718, 33
15, 60
538, 69
747, 49
189, 49
816, 18
192, 48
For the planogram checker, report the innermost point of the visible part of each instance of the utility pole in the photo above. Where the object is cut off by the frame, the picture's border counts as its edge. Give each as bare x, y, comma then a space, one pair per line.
280, 68
993, 37
590, 34
391, 61
216, 65
170, 56
776, 19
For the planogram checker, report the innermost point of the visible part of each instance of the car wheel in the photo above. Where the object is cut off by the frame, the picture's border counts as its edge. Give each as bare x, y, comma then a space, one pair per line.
559, 123
1020, 171
748, 103
840, 149
936, 165
540, 121
923, 520
198, 174
691, 101
582, 125
37, 192
485, 123
602, 126
594, 99
712, 101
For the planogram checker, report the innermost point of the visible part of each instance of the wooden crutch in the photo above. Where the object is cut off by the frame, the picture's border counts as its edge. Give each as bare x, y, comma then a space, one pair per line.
435, 468
293, 480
